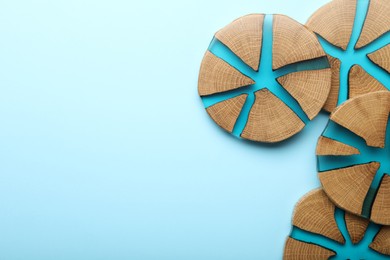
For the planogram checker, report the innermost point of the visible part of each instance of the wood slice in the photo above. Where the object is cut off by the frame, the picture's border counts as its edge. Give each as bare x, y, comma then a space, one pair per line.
218, 76
309, 88
381, 57
297, 250
381, 209
348, 187
327, 146
315, 213
244, 37
226, 112
268, 119
366, 116
360, 82
356, 227
293, 42
334, 21
381, 242
377, 22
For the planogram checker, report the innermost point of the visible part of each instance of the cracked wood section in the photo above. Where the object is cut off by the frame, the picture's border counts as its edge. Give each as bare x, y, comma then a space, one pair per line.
377, 22
360, 82
333, 96
334, 21
381, 209
347, 187
270, 120
356, 227
217, 76
381, 57
381, 241
310, 88
315, 213
225, 113
327, 146
244, 37
297, 250
366, 116
293, 42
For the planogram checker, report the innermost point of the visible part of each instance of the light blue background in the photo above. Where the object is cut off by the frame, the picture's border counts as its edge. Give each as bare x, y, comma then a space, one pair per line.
106, 151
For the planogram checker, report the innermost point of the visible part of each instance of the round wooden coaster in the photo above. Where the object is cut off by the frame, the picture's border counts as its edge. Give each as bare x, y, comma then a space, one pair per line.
356, 36
264, 77
320, 231
353, 156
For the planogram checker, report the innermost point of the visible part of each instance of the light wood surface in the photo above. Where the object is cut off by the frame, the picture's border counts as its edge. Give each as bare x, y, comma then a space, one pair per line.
217, 76
360, 82
327, 146
331, 101
377, 22
381, 242
315, 213
356, 227
381, 57
293, 43
297, 250
270, 120
310, 88
381, 209
366, 116
225, 113
334, 21
347, 187
244, 37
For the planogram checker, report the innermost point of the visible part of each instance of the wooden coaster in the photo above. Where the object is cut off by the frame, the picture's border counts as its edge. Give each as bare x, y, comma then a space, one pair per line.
264, 77
316, 217
356, 36
353, 157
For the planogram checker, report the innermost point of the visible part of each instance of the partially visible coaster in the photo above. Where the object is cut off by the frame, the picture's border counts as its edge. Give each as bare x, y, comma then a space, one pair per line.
354, 157
264, 77
356, 36
321, 231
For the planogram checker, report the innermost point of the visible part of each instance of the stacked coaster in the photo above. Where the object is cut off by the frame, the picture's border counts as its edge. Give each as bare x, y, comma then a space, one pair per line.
264, 77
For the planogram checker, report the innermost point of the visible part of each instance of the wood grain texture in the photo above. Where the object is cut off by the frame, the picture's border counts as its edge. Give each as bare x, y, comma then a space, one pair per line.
366, 116
334, 21
356, 227
333, 96
315, 213
292, 42
225, 113
381, 209
381, 242
347, 187
377, 22
270, 120
310, 88
381, 57
297, 250
327, 146
360, 82
244, 37
217, 76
